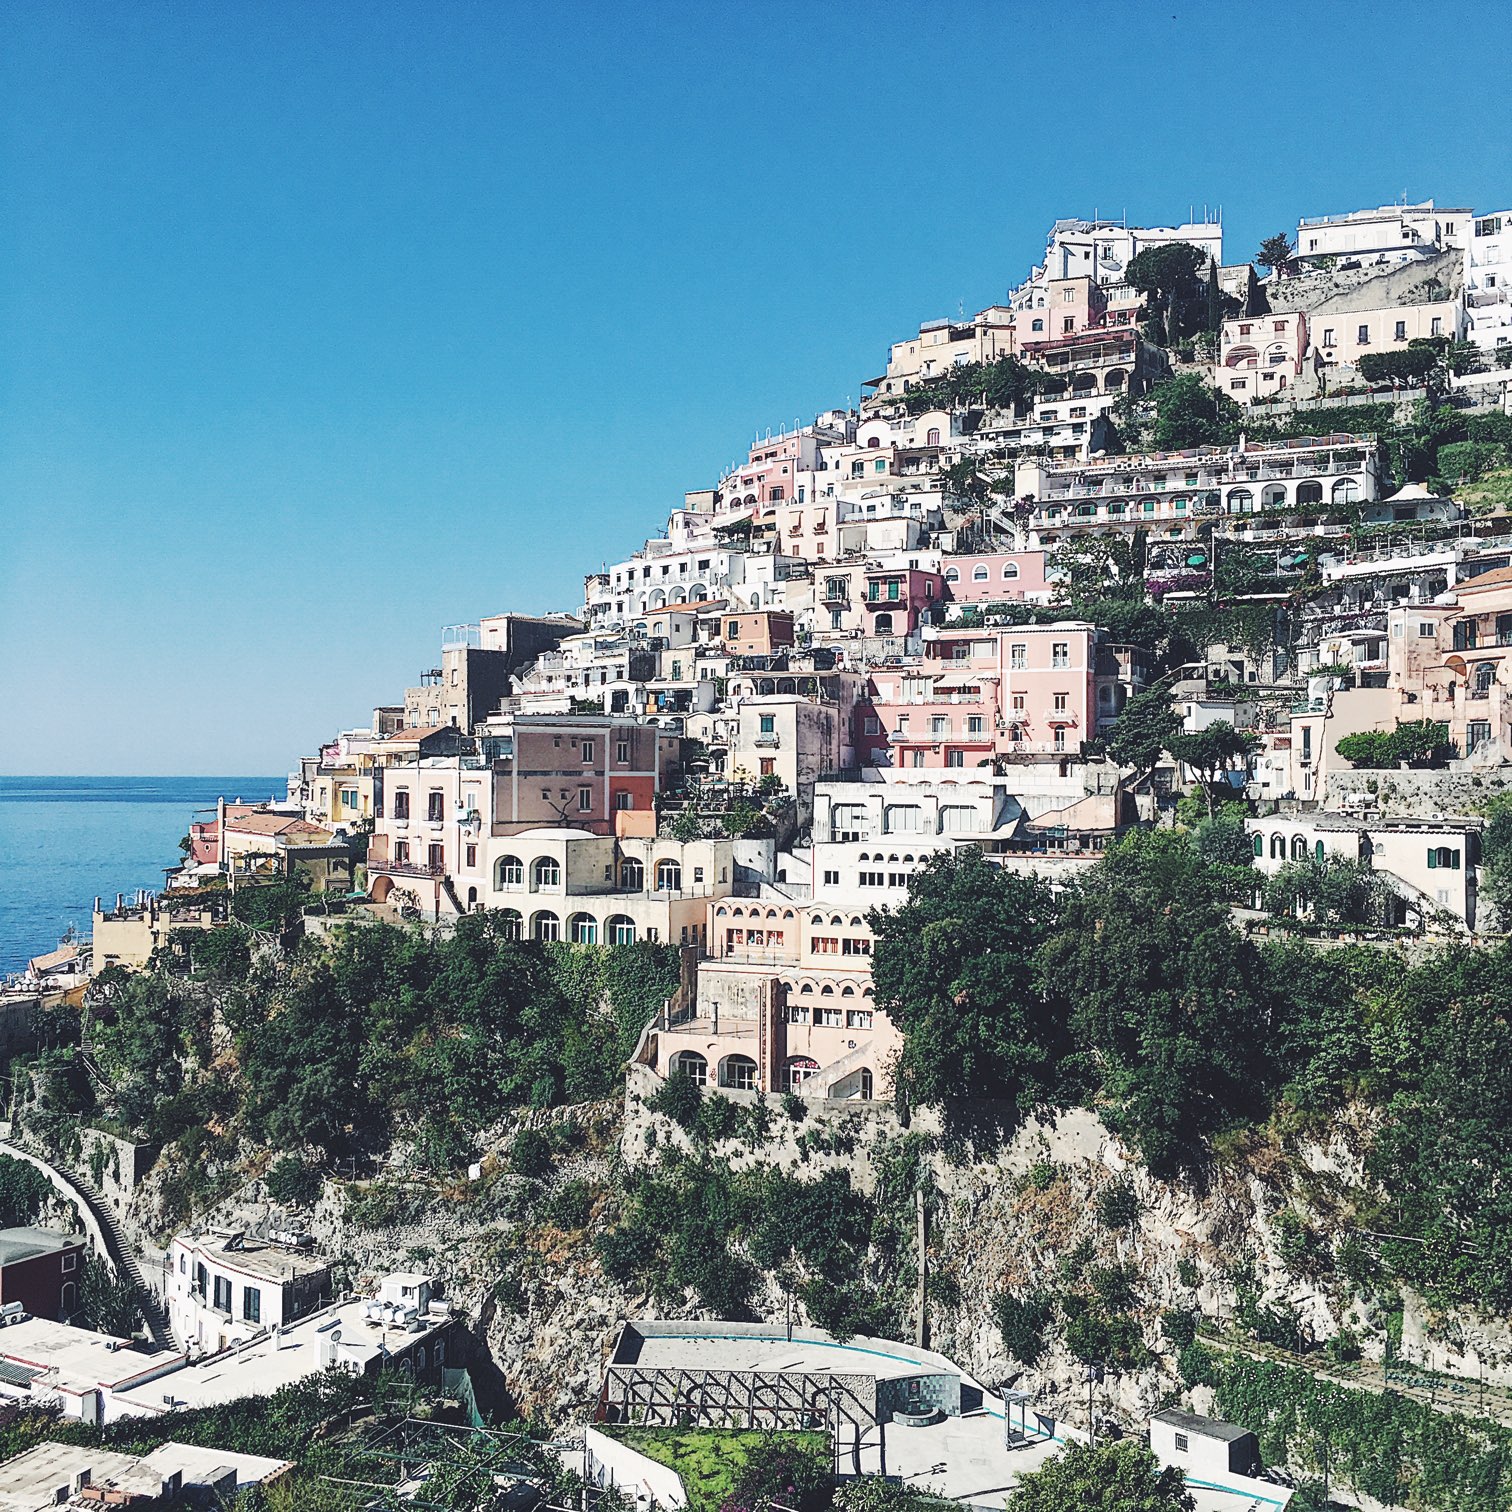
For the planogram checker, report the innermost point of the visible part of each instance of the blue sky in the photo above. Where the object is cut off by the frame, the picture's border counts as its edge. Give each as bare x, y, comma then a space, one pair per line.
325, 325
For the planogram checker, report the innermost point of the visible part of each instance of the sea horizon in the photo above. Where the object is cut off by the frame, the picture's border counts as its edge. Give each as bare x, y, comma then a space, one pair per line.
68, 838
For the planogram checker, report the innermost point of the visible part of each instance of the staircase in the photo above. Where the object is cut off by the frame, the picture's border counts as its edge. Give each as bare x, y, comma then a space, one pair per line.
117, 1247
126, 1264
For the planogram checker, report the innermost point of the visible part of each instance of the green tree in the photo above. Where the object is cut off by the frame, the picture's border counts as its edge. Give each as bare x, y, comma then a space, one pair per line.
1369, 748
1276, 253
1496, 860
24, 1192
1144, 730
1168, 276
1119, 1477
1093, 568
1213, 753
954, 969
1190, 412
1170, 1004
107, 1302
1335, 890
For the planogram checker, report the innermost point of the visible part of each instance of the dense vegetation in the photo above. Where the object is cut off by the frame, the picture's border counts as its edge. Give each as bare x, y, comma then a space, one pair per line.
331, 1051
1133, 992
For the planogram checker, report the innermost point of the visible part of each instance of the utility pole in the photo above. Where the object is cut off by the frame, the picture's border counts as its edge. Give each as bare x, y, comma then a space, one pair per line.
921, 1330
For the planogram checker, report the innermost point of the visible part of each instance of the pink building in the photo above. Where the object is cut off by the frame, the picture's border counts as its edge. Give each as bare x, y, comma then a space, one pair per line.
1259, 355
1028, 690
994, 577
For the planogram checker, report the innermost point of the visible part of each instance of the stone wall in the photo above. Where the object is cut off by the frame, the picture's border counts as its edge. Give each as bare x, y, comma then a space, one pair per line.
1418, 794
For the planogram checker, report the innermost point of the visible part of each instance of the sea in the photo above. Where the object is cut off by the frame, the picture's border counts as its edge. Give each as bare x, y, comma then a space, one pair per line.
64, 841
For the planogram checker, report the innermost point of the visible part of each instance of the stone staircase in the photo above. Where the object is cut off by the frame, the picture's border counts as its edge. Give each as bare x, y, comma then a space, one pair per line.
118, 1248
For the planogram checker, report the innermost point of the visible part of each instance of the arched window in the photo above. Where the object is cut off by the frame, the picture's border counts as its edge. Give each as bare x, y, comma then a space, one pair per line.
952, 575
1299, 848
1114, 380
1240, 501
848, 823
632, 874
932, 436
582, 929
1278, 847
738, 1072
866, 1084
1345, 491
546, 873
692, 1065
1010, 571
873, 442
1310, 493
509, 874
1275, 354
511, 925
884, 624
797, 1070
958, 819
620, 928
1259, 847
668, 876
1273, 496
545, 926
1318, 852
979, 573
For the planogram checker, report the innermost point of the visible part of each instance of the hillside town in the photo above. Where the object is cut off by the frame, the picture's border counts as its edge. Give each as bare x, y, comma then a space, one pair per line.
1167, 537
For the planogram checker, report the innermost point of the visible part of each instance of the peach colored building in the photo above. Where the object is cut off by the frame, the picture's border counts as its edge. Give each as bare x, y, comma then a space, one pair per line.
1260, 355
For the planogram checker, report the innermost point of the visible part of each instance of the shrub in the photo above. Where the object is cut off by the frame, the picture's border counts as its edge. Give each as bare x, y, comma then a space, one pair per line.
571, 1205
530, 1154
679, 1099
291, 1180
1022, 1321
794, 1106
1117, 1206
1197, 1366
717, 1119
1179, 1326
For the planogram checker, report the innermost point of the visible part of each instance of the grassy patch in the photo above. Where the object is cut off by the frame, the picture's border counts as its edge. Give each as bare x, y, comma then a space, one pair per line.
710, 1460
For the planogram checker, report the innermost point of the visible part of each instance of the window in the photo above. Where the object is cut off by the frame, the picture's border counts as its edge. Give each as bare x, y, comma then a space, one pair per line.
1067, 295
979, 574
435, 806
435, 857
1039, 325
1060, 703
668, 876
880, 465
1437, 328
1018, 656
1401, 331
1010, 572
973, 724
832, 879
470, 856
251, 1305
872, 725
768, 724
1068, 325
547, 872
738, 1072
584, 929
632, 874
829, 1018
1425, 630
222, 1299
1328, 336
865, 879
955, 758
938, 724
622, 751
1442, 857
401, 852
401, 803
585, 800
620, 930
624, 800
546, 926
1060, 655
1181, 1443
1362, 335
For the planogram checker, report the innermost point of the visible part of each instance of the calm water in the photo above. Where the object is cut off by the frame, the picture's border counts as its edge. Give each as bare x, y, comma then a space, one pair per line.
66, 840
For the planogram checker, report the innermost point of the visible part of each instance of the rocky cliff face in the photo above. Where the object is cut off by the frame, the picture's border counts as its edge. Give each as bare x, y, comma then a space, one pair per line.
1058, 1212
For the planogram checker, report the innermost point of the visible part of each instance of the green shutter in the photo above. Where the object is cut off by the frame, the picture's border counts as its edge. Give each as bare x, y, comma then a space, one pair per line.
1432, 858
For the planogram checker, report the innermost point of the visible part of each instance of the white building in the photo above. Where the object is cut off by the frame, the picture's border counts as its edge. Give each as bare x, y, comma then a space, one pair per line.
1103, 249
1390, 233
224, 1285
1488, 280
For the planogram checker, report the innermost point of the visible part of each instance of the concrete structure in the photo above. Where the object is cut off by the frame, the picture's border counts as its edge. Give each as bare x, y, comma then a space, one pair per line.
39, 1271
86, 1476
224, 1286
477, 663
1488, 281
995, 577
1388, 234
1215, 1457
1259, 356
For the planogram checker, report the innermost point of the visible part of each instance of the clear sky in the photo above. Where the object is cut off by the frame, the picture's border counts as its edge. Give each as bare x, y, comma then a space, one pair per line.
323, 325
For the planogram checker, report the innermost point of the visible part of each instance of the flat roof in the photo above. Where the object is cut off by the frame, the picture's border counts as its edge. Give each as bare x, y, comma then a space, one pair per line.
30, 1480
255, 1257
75, 1358
726, 1346
27, 1243
1191, 1422
263, 1365
198, 1465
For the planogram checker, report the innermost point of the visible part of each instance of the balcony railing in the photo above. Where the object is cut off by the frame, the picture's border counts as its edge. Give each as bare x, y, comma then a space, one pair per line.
406, 868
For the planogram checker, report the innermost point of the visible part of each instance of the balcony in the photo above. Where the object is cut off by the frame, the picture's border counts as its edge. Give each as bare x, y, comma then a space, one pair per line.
767, 742
405, 868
